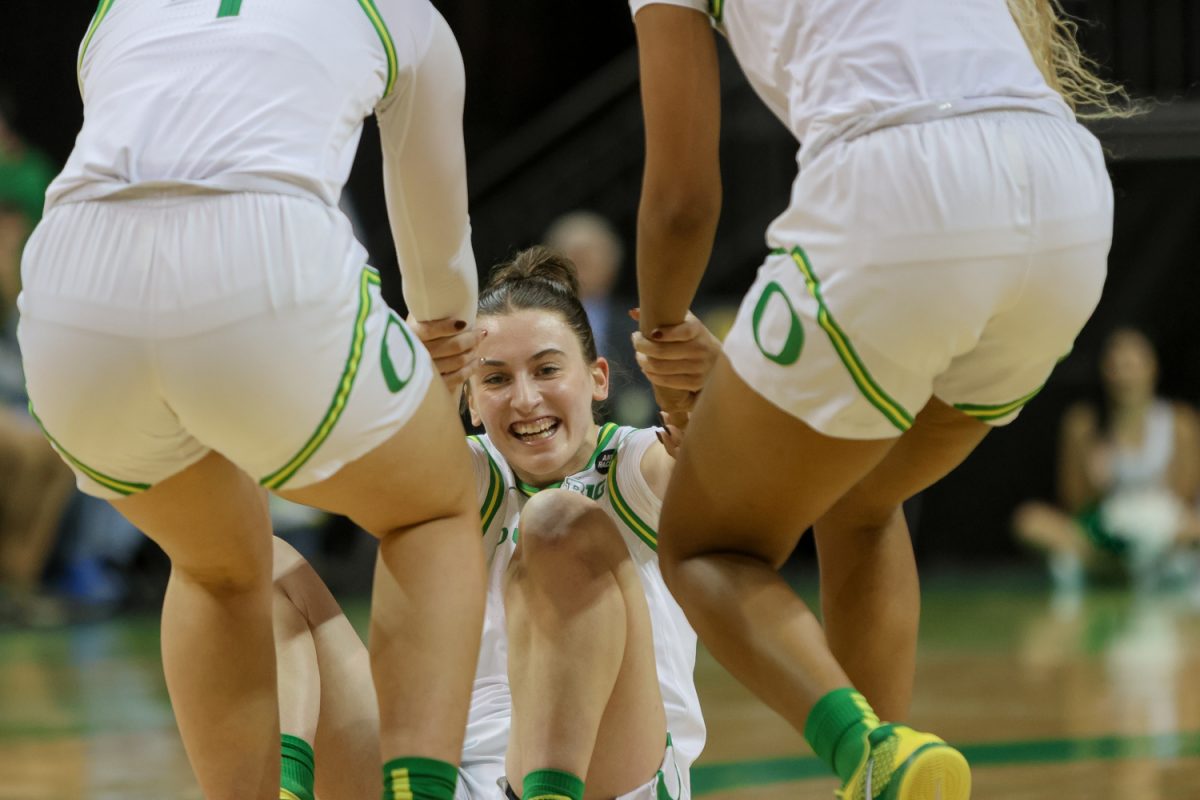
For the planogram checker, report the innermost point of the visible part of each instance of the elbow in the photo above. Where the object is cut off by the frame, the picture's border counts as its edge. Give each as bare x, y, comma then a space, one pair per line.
681, 210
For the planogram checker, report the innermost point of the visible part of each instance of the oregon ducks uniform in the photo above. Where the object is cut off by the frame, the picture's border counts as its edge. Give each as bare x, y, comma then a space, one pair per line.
193, 285
949, 227
612, 478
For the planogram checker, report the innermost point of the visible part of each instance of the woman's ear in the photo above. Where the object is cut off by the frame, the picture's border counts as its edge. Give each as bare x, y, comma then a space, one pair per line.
470, 403
600, 379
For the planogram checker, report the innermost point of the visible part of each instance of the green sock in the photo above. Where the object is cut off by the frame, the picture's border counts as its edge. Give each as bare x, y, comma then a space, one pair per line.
296, 768
414, 778
837, 727
551, 784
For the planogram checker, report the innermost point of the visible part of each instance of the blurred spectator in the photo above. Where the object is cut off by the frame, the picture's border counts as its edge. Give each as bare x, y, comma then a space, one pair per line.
590, 241
34, 485
1128, 474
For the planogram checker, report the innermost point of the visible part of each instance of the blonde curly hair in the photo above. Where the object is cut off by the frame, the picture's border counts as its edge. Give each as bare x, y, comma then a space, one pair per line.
1050, 36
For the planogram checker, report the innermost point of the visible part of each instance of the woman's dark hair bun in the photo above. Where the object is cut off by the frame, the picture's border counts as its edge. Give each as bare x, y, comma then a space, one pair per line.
536, 263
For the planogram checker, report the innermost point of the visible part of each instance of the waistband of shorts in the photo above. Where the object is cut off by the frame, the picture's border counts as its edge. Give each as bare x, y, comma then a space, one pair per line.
929, 111
167, 192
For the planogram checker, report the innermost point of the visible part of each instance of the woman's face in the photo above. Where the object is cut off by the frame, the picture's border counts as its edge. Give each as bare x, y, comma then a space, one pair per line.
533, 393
1129, 367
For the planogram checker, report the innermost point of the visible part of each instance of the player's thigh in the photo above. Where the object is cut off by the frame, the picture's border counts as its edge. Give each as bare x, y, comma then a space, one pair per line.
751, 478
422, 472
211, 519
940, 438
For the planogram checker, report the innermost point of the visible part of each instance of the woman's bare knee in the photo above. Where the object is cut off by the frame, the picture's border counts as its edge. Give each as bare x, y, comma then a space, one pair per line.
230, 577
859, 517
563, 530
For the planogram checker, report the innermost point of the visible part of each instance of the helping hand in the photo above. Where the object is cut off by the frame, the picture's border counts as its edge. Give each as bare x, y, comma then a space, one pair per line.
453, 345
677, 360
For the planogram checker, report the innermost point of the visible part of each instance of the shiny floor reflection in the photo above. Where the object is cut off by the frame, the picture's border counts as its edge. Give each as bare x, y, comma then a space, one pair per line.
1093, 696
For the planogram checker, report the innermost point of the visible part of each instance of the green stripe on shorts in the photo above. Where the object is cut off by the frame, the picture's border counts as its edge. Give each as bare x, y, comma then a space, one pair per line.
892, 410
385, 36
101, 12
985, 413
341, 395
124, 488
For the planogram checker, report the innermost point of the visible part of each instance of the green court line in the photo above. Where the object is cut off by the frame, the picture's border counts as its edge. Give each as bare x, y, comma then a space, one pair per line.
709, 778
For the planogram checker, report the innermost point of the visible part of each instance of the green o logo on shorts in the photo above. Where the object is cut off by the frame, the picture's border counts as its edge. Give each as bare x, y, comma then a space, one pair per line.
390, 375
794, 342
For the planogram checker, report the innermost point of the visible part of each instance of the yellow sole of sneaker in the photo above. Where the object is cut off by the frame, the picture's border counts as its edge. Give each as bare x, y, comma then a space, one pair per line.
936, 773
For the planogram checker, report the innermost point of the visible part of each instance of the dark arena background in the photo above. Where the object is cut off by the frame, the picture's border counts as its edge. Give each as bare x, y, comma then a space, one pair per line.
1055, 689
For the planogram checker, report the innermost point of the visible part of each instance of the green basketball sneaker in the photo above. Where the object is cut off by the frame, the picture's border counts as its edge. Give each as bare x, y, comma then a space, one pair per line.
903, 764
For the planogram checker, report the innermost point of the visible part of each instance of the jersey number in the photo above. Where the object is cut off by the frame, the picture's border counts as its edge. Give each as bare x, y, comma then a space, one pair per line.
229, 8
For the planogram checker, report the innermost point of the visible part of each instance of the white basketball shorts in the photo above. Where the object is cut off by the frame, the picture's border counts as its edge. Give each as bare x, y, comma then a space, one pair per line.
157, 329
955, 258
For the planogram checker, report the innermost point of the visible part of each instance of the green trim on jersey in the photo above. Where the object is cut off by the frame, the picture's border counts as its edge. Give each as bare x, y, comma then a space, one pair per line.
370, 277
635, 523
125, 488
495, 490
603, 437
716, 9
385, 36
229, 8
101, 12
607, 432
990, 413
892, 410
529, 490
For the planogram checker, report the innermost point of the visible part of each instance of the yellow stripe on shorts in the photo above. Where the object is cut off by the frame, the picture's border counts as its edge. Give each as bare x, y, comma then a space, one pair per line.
876, 396
342, 394
985, 413
125, 488
284, 794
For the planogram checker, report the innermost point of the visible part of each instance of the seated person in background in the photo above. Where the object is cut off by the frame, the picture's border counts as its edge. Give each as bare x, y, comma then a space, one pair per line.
34, 484
1128, 473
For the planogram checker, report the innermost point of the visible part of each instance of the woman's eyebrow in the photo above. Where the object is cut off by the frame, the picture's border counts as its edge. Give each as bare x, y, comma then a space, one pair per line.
496, 362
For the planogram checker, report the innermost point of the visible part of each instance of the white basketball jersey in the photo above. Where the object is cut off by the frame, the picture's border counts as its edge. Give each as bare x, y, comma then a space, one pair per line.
234, 95
835, 68
613, 478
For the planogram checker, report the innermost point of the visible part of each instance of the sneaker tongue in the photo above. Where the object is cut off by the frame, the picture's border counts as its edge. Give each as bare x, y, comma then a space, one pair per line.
880, 733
